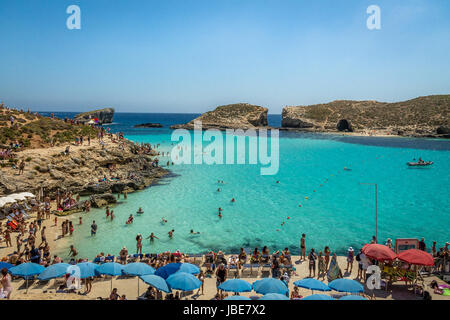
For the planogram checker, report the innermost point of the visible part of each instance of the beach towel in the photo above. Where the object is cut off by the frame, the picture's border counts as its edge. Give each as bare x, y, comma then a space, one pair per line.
334, 272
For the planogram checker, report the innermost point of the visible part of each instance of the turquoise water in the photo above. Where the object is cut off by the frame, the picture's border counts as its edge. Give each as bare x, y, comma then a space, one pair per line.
339, 211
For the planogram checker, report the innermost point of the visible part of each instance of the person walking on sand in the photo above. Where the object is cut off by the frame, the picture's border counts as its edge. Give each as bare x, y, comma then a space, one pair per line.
303, 248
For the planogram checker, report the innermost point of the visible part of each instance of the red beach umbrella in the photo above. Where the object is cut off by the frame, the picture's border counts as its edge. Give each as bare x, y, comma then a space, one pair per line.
379, 252
417, 257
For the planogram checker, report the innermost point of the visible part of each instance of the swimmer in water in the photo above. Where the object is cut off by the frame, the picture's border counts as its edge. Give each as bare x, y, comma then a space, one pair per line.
112, 215
192, 232
130, 219
171, 233
218, 189
220, 209
220, 214
233, 200
278, 181
152, 237
140, 210
163, 220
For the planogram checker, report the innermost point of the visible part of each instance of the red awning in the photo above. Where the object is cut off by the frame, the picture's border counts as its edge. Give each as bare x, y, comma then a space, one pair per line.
379, 252
417, 257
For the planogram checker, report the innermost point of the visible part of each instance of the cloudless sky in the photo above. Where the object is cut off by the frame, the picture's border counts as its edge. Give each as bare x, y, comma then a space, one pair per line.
193, 55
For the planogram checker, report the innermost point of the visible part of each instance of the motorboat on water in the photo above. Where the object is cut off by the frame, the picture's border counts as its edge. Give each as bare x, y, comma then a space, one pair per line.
420, 163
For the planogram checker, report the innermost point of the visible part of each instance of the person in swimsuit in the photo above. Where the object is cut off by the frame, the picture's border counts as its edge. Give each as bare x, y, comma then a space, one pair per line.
303, 247
123, 255
312, 263
350, 257
152, 237
221, 274
6, 283
295, 295
93, 228
327, 252
171, 233
139, 243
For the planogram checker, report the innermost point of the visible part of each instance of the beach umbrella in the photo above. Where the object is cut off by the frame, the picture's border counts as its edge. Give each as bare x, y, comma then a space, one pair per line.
270, 285
111, 269
156, 282
26, 270
87, 269
416, 257
379, 252
6, 200
54, 271
6, 265
236, 285
274, 296
237, 298
138, 269
352, 297
317, 297
183, 281
346, 285
171, 268
312, 284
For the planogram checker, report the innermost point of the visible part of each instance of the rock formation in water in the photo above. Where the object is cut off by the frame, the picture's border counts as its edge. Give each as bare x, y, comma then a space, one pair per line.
232, 116
149, 125
103, 115
424, 117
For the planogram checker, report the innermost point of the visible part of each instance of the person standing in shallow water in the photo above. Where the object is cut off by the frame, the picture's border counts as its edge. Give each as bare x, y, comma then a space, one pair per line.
139, 243
93, 228
171, 233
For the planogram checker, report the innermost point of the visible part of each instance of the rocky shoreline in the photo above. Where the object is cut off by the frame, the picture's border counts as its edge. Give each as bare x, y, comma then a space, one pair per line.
81, 172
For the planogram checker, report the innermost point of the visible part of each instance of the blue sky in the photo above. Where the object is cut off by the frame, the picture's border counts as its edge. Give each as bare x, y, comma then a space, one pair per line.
192, 55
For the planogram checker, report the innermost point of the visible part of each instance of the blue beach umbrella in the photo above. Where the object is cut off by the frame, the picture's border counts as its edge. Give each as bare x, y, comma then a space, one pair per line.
171, 268
87, 269
312, 284
274, 296
236, 285
156, 282
26, 270
54, 271
270, 285
6, 265
352, 297
111, 269
237, 298
346, 285
317, 297
138, 269
183, 281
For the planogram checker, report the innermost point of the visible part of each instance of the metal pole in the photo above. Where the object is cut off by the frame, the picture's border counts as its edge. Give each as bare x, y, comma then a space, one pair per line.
376, 207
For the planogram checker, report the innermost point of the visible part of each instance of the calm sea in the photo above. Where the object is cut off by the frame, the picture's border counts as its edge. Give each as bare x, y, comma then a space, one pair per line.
339, 211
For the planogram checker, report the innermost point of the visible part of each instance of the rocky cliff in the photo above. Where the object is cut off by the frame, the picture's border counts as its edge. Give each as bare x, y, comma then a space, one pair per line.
103, 115
232, 116
423, 116
81, 170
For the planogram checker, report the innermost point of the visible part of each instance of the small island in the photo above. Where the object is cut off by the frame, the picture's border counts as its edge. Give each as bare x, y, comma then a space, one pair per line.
148, 125
232, 116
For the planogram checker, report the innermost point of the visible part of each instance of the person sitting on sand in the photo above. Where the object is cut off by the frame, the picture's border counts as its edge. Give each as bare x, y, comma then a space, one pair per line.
114, 295
242, 257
